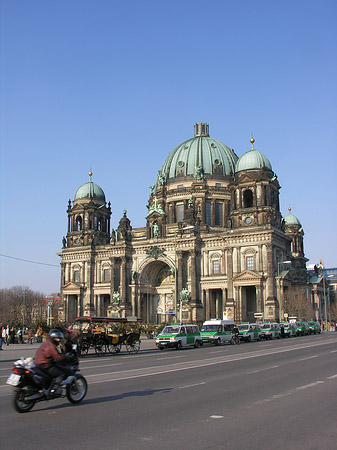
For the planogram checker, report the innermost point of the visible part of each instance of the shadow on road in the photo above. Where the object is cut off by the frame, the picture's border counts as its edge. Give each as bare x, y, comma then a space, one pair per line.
110, 398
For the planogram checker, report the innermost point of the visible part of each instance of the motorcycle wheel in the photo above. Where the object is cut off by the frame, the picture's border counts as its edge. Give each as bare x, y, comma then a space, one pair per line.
20, 403
77, 390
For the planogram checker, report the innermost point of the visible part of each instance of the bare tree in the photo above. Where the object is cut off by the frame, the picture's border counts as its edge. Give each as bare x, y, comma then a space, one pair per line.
17, 305
296, 303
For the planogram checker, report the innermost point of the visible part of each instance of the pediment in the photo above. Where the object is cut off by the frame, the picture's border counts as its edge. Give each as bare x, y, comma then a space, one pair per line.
71, 286
247, 276
248, 178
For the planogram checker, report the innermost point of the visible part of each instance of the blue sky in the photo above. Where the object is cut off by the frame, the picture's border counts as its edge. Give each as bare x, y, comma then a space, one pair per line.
115, 86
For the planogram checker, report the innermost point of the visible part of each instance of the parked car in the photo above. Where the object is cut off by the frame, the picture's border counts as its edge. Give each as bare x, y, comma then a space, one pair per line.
178, 336
249, 332
302, 328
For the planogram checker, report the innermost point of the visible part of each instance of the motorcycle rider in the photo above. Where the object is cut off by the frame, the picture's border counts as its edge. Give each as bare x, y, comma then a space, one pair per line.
45, 358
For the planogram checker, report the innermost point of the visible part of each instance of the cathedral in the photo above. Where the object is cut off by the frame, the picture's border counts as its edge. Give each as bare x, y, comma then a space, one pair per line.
214, 245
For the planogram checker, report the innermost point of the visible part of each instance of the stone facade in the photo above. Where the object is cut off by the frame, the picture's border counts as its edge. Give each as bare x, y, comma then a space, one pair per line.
215, 244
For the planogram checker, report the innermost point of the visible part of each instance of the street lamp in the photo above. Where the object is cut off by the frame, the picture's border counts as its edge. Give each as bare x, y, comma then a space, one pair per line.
50, 304
325, 306
279, 284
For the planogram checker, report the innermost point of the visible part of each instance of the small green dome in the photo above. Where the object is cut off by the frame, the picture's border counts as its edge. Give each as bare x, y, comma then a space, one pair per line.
253, 159
89, 190
290, 219
201, 155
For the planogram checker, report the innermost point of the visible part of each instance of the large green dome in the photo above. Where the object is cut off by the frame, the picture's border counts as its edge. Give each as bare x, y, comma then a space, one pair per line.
89, 190
201, 155
253, 159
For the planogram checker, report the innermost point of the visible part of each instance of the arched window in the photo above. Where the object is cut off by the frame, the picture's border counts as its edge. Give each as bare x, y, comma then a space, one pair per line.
248, 199
250, 260
106, 273
215, 263
76, 274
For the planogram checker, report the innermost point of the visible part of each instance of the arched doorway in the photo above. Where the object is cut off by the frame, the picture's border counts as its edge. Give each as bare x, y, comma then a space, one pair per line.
156, 287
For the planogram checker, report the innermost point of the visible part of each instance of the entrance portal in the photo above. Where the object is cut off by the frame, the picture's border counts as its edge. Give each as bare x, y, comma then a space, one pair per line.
251, 303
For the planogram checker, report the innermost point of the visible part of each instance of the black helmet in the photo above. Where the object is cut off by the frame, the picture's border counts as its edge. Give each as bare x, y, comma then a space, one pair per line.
56, 336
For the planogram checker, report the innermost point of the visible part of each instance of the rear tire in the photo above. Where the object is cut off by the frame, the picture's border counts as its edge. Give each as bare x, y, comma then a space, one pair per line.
196, 344
178, 345
20, 404
77, 390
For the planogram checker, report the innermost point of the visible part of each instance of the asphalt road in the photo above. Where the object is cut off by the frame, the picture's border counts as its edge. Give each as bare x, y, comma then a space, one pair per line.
266, 395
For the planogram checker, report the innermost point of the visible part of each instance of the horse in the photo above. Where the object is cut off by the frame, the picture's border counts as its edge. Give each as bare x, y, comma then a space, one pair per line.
70, 337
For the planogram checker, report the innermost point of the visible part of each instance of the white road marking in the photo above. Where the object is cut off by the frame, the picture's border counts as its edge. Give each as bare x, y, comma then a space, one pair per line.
287, 393
261, 370
169, 357
216, 417
192, 385
309, 357
332, 376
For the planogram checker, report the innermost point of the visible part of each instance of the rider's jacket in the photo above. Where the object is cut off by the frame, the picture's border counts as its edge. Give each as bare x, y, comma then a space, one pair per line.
46, 354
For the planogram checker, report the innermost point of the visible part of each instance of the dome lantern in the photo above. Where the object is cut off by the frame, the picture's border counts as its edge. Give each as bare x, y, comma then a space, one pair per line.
201, 129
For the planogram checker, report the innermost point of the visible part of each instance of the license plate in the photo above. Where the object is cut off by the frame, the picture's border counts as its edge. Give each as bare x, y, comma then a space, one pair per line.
13, 379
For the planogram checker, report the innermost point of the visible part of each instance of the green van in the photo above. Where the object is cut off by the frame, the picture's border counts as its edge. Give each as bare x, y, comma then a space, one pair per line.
217, 331
249, 332
271, 330
179, 335
302, 328
289, 329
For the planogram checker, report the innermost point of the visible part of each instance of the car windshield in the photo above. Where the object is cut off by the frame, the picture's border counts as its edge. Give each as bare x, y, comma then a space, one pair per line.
243, 327
170, 330
209, 328
265, 326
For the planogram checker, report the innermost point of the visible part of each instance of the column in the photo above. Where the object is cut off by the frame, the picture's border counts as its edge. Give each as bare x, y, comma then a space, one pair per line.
207, 305
180, 270
112, 278
230, 297
134, 289
193, 278
213, 213
123, 286
63, 273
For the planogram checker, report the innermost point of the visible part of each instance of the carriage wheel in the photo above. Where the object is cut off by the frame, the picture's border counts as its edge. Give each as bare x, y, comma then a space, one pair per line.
133, 346
100, 347
84, 349
114, 348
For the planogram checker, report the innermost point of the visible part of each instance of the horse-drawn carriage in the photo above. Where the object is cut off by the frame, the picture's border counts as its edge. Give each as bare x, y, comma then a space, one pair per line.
107, 334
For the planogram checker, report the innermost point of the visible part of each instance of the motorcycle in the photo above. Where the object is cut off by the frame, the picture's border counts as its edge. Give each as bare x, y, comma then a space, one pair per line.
32, 385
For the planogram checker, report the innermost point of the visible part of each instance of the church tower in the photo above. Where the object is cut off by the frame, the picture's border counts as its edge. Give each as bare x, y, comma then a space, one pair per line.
88, 217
